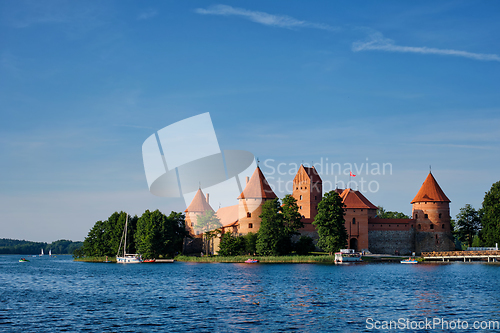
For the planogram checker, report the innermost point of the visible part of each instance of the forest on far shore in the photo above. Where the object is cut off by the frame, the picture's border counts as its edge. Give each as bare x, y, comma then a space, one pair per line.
14, 246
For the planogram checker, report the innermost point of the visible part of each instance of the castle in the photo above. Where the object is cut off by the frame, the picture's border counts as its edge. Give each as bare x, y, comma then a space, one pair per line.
429, 228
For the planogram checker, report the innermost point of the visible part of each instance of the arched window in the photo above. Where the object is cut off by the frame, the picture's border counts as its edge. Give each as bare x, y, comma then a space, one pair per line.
442, 227
250, 225
416, 216
426, 216
432, 226
439, 215
300, 198
300, 207
249, 214
353, 220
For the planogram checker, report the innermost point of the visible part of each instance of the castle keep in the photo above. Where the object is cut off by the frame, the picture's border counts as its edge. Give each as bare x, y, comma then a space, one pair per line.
428, 230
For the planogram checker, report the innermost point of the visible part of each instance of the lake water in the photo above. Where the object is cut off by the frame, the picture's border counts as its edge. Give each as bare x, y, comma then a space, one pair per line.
58, 294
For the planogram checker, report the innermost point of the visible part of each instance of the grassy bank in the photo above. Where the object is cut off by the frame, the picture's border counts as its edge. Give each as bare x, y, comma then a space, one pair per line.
264, 259
95, 259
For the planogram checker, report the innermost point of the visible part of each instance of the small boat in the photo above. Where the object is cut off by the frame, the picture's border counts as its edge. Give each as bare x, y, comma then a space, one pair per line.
347, 255
23, 260
41, 254
409, 261
127, 258
50, 253
251, 261
149, 260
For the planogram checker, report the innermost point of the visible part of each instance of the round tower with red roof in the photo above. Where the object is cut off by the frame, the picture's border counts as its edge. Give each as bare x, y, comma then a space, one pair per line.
256, 192
431, 211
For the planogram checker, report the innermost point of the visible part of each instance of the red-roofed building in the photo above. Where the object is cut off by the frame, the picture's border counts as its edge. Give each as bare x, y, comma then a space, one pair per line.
198, 206
257, 191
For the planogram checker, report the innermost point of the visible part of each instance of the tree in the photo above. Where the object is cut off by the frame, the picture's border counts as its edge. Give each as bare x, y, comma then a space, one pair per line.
231, 245
490, 216
383, 214
467, 224
250, 243
291, 216
208, 223
149, 234
272, 229
304, 245
330, 223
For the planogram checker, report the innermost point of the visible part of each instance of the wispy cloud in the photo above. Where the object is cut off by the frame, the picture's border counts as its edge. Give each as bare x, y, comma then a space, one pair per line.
281, 21
379, 43
147, 14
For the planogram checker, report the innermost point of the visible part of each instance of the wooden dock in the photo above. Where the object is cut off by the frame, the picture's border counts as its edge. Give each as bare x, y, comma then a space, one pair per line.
490, 256
163, 261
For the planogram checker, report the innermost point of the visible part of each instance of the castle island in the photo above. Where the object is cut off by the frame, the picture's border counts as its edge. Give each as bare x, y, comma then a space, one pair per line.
428, 230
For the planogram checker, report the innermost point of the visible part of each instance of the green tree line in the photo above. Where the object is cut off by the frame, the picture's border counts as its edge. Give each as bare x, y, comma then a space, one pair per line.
14, 246
154, 235
480, 228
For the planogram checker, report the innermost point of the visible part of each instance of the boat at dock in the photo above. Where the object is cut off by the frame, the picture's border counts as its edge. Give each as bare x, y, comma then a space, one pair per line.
409, 261
126, 258
347, 255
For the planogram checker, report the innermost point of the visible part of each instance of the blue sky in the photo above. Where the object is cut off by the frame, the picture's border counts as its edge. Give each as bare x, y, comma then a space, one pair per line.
83, 84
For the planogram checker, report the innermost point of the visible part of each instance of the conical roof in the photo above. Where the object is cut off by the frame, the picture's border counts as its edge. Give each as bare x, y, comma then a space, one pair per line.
257, 187
199, 203
430, 191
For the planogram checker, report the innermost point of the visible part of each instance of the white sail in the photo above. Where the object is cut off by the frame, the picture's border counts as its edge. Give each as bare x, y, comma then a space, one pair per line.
41, 254
50, 252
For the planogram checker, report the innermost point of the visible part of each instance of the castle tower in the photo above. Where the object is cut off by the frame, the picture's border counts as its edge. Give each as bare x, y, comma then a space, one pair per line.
358, 210
308, 191
198, 206
256, 192
431, 211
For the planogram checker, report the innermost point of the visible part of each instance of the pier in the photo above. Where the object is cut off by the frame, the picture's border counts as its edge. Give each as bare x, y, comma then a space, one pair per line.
490, 256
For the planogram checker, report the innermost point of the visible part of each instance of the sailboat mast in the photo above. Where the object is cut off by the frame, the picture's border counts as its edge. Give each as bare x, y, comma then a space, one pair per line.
125, 246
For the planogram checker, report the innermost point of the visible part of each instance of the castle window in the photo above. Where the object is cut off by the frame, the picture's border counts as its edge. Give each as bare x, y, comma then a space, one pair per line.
412, 226
301, 199
250, 225
436, 236
419, 227
301, 187
353, 220
397, 225
296, 188
432, 226
442, 227
305, 187
389, 225
300, 207
416, 216
249, 214
439, 215
315, 197
426, 216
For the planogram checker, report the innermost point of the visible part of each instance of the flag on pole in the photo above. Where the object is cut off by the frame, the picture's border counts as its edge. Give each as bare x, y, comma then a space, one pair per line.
351, 174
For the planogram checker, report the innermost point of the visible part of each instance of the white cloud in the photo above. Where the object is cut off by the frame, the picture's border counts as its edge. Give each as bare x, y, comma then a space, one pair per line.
147, 14
378, 42
281, 21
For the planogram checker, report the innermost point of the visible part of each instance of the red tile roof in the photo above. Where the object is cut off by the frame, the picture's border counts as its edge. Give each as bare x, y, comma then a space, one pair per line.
377, 220
430, 191
257, 187
228, 215
199, 203
355, 199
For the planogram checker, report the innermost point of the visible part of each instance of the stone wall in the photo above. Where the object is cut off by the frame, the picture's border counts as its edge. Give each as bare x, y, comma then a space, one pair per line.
390, 241
433, 241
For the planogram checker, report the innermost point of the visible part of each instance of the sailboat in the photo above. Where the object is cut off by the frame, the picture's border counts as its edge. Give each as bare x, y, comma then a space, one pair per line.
50, 252
127, 258
41, 254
